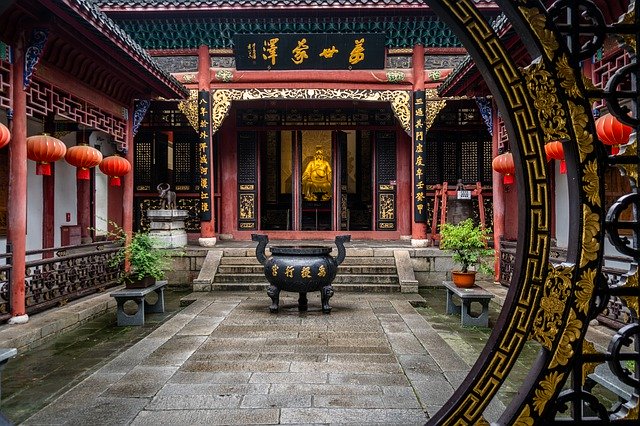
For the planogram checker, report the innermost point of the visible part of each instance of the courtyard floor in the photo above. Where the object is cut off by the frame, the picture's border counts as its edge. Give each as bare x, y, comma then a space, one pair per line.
224, 359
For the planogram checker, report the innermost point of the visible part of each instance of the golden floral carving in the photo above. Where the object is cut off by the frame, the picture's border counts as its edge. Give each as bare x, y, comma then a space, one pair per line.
584, 137
556, 292
585, 285
628, 41
546, 391
590, 182
189, 107
568, 80
588, 367
433, 107
247, 206
551, 113
399, 100
590, 231
629, 150
538, 20
631, 281
571, 333
524, 419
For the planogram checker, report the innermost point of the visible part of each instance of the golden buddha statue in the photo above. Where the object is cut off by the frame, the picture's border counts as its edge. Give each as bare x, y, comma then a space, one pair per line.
316, 179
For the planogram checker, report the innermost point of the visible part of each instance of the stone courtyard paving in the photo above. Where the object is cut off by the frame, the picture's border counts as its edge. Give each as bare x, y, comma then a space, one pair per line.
224, 359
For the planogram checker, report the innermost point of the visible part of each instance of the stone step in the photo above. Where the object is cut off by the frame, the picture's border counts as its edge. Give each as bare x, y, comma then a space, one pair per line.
356, 288
340, 279
359, 261
348, 270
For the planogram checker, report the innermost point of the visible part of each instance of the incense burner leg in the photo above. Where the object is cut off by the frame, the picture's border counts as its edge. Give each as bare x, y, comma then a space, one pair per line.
274, 293
326, 294
302, 302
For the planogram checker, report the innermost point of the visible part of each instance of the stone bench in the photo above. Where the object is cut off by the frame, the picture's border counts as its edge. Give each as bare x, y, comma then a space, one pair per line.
468, 296
604, 377
137, 295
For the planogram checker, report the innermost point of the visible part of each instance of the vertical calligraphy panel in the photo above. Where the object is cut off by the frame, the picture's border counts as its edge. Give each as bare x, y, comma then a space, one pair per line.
204, 153
419, 194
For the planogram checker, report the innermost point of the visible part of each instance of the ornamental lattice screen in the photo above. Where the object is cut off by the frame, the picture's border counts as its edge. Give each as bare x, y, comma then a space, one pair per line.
550, 303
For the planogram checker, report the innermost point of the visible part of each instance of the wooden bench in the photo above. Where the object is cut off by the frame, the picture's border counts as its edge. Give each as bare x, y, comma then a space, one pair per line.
137, 295
467, 296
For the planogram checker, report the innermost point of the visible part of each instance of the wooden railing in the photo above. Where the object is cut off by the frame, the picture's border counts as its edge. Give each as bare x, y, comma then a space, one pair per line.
56, 276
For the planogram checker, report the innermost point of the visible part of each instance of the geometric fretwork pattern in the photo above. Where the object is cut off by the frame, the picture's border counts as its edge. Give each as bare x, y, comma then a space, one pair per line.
43, 98
551, 304
5, 101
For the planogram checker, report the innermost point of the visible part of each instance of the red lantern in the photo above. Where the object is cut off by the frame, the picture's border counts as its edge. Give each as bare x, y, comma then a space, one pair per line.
83, 157
114, 167
612, 132
44, 150
555, 151
503, 164
5, 135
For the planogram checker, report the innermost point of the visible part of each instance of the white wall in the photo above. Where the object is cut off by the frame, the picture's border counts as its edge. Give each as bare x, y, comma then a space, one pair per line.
65, 192
34, 207
34, 196
101, 183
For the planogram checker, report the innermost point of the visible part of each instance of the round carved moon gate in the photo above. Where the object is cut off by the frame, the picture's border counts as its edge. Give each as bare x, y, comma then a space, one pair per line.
545, 101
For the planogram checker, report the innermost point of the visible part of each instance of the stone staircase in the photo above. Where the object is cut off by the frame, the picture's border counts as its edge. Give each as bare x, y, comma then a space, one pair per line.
385, 270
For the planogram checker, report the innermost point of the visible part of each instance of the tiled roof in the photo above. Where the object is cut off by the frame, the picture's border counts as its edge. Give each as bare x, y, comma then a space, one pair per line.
93, 18
467, 65
266, 4
189, 33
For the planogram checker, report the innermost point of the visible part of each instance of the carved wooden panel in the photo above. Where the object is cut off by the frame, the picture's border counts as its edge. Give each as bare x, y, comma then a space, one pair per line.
247, 180
386, 180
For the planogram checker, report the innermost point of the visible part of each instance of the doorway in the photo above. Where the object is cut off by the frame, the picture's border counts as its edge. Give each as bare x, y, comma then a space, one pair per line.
316, 180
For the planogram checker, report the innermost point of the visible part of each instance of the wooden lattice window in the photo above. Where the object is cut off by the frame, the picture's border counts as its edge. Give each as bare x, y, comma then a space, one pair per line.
185, 172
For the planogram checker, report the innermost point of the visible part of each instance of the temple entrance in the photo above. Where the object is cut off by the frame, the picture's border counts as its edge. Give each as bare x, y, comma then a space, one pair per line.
316, 180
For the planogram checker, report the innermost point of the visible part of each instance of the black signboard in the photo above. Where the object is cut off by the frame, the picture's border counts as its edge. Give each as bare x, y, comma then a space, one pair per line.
204, 154
419, 165
309, 51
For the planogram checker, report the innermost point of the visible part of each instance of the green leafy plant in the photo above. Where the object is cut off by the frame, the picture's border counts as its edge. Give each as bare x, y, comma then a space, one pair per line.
468, 244
145, 259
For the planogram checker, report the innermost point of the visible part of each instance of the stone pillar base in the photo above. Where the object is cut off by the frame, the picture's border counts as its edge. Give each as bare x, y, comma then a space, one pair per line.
167, 228
20, 319
207, 242
420, 243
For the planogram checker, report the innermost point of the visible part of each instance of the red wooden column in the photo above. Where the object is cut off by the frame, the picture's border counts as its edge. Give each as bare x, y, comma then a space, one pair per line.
207, 228
418, 229
17, 208
498, 199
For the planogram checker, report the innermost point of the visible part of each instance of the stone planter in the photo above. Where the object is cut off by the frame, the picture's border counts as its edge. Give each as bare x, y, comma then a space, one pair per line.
300, 269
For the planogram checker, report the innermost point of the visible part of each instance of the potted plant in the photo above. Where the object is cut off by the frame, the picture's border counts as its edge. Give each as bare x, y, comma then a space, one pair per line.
147, 263
468, 243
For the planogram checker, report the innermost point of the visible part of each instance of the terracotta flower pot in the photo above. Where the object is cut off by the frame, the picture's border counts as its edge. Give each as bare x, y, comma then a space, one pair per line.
463, 279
